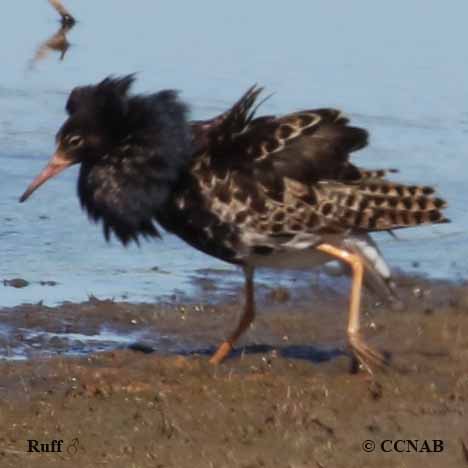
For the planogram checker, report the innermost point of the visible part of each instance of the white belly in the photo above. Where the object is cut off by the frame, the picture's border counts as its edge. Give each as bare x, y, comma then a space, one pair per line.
290, 259
296, 256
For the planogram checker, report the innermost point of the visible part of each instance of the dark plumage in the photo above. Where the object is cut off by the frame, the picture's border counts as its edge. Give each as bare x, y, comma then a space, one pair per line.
131, 151
254, 191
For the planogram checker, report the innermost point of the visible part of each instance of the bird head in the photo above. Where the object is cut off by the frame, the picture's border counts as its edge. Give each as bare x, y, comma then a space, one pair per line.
102, 117
96, 122
131, 150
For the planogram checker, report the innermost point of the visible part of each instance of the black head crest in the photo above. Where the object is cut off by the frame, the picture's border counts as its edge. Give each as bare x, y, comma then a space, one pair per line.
116, 85
106, 102
133, 149
111, 101
144, 147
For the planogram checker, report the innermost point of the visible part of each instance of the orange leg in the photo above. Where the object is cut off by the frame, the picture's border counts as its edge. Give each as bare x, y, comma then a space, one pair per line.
365, 355
246, 319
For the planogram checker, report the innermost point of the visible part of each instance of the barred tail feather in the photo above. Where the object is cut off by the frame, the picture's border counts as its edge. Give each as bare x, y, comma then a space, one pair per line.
375, 173
379, 205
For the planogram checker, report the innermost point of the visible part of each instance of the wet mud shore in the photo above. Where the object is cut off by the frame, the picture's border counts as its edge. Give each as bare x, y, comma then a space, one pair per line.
285, 398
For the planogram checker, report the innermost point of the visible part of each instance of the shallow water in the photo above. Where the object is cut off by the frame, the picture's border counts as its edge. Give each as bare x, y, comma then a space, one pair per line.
399, 69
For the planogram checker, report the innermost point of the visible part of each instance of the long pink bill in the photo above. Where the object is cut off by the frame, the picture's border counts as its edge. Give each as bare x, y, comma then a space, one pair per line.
57, 163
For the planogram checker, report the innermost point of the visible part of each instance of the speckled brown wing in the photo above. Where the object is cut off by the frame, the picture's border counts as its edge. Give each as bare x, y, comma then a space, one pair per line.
228, 124
287, 178
306, 146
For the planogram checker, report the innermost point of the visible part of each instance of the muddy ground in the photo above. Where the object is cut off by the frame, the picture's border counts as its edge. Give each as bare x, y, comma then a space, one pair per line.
285, 398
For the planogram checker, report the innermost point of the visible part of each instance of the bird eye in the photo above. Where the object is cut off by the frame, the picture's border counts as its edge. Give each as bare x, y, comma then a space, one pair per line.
75, 141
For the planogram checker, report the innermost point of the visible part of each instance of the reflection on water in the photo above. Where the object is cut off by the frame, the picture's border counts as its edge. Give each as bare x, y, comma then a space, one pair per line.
66, 16
407, 88
58, 42
40, 344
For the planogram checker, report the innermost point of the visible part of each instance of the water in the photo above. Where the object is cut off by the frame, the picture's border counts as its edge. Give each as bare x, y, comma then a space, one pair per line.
32, 343
398, 68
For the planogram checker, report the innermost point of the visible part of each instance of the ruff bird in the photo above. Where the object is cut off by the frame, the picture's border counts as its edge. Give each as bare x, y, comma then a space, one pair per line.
266, 191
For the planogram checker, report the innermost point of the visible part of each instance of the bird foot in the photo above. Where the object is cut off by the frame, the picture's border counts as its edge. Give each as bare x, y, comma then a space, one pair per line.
365, 356
221, 353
